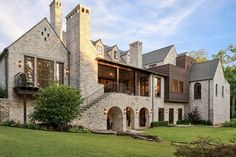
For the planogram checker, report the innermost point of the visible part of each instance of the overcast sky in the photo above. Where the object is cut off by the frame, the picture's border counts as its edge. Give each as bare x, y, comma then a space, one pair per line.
188, 24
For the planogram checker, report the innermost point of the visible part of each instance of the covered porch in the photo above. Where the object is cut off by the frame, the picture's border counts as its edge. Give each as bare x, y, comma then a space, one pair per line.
123, 79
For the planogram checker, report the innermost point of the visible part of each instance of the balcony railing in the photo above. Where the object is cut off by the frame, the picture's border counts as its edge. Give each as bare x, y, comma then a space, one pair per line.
110, 88
22, 85
176, 97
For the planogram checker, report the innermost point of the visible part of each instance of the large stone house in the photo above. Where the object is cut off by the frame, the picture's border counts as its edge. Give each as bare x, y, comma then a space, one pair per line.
122, 89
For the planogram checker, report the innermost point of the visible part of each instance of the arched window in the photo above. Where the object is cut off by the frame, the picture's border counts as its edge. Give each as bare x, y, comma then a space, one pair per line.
197, 91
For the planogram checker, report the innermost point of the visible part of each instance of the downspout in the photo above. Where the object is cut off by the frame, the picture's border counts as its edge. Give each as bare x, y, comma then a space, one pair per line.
6, 70
209, 101
153, 98
68, 75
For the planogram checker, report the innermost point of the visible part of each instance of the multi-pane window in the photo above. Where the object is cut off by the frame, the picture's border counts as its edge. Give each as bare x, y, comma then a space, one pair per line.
100, 50
45, 72
115, 55
177, 86
223, 90
60, 73
144, 90
216, 89
157, 87
161, 114
180, 114
29, 68
181, 87
197, 91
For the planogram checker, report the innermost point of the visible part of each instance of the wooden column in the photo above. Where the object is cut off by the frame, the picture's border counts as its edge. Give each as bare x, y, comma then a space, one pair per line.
24, 108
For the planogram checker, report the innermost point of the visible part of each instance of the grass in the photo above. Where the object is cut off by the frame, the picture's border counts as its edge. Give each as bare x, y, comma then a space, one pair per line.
179, 134
33, 143
16, 142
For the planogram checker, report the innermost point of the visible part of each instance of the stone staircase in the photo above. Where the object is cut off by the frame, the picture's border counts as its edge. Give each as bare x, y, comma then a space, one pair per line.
94, 102
102, 93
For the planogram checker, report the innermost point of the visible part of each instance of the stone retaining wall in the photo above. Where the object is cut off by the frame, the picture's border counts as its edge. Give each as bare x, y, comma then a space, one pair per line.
4, 109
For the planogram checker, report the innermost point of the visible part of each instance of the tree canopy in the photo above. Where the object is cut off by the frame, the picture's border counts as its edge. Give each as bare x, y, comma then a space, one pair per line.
199, 55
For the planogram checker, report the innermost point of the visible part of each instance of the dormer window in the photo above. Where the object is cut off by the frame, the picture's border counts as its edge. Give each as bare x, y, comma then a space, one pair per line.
115, 55
99, 49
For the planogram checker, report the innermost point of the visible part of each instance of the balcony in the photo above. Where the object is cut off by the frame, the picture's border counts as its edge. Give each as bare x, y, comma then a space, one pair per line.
22, 86
176, 97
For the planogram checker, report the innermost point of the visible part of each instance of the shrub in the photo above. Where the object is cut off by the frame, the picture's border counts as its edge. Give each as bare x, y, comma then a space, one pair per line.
232, 123
3, 93
206, 147
194, 116
10, 123
159, 123
185, 122
77, 129
56, 106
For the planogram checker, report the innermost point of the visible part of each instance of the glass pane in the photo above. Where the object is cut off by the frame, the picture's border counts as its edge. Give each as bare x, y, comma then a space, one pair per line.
29, 68
45, 71
60, 73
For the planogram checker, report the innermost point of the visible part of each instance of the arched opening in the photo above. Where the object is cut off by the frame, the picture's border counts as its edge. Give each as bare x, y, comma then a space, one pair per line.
143, 117
129, 118
197, 91
115, 119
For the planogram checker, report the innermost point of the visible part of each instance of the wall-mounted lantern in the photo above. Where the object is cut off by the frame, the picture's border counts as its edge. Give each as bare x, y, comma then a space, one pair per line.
136, 111
67, 71
20, 63
105, 111
124, 111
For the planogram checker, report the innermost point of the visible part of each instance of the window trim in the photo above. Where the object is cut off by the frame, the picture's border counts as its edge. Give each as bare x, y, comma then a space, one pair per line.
199, 89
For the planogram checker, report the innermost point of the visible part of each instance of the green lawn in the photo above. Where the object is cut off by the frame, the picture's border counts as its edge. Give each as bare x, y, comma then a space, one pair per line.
15, 142
189, 134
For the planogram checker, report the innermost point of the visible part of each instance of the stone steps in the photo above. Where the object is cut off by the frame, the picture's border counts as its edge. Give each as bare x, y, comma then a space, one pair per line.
96, 101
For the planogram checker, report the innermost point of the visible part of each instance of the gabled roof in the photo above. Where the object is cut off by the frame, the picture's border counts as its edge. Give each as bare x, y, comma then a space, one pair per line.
36, 26
122, 53
156, 55
95, 42
204, 70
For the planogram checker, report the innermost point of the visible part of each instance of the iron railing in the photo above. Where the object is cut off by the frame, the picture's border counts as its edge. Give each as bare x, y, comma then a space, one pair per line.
20, 80
110, 88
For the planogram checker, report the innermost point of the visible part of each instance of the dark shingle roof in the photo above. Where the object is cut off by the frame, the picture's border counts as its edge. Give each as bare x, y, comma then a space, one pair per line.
203, 71
156, 55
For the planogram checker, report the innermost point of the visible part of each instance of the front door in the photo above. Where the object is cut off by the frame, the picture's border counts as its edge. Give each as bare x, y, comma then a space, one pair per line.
171, 115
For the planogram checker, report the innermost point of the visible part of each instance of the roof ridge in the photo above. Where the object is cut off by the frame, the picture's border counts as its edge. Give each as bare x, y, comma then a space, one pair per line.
159, 49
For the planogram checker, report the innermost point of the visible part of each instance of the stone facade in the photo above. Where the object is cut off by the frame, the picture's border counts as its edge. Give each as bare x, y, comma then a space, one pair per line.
38, 45
135, 51
56, 16
213, 107
81, 59
4, 110
83, 55
171, 57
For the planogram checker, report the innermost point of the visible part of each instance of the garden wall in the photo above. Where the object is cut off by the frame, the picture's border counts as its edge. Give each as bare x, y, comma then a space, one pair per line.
4, 109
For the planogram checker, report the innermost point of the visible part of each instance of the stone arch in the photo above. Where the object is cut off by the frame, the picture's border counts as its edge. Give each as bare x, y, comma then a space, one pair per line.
143, 117
129, 118
115, 119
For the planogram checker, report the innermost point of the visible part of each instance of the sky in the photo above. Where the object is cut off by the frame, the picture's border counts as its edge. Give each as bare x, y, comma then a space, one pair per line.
188, 24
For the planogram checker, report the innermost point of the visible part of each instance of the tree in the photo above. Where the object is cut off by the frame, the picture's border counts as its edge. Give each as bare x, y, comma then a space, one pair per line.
228, 59
56, 105
199, 55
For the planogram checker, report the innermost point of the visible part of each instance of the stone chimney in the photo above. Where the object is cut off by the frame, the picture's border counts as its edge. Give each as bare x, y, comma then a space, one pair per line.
136, 54
56, 16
